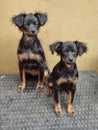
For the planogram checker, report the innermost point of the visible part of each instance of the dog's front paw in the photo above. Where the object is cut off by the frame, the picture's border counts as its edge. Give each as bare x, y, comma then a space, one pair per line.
50, 89
39, 87
21, 87
49, 92
70, 110
58, 110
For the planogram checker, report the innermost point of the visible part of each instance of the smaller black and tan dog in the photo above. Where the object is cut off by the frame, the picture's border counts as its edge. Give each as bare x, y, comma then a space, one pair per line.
30, 52
65, 74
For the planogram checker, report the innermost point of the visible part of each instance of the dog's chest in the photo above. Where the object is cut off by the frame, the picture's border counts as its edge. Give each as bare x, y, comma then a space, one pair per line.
28, 55
67, 80
30, 61
66, 83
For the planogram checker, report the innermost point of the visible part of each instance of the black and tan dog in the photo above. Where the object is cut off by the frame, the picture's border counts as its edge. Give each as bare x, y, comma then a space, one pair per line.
65, 74
30, 52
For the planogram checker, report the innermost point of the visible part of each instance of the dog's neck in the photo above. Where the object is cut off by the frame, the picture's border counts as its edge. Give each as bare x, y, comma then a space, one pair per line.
68, 68
28, 38
28, 41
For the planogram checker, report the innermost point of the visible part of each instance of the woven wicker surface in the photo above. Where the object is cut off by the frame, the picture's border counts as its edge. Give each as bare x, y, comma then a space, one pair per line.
31, 110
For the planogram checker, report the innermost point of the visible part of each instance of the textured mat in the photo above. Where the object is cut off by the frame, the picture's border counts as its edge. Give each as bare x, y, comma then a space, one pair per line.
31, 110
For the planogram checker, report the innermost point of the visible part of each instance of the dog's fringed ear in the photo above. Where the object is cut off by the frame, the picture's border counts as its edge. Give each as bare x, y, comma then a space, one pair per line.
18, 20
82, 48
56, 47
42, 18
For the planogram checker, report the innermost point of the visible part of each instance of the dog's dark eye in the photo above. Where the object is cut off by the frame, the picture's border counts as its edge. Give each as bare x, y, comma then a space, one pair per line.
74, 51
66, 51
35, 23
27, 24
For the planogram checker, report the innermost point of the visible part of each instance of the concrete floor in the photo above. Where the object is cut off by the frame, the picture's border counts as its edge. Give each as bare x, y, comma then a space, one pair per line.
31, 110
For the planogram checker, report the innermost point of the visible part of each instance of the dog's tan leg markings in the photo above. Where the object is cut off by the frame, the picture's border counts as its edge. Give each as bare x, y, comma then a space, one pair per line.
50, 84
46, 75
57, 107
50, 89
39, 86
70, 108
21, 86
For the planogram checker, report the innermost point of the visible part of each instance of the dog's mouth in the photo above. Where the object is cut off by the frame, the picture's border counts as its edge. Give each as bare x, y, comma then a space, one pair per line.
31, 35
68, 64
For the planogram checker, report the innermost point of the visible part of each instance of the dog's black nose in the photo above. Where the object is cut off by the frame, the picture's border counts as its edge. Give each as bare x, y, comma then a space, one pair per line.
33, 31
70, 60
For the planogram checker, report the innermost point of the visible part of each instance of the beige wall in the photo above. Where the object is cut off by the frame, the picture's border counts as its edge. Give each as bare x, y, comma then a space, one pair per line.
67, 20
